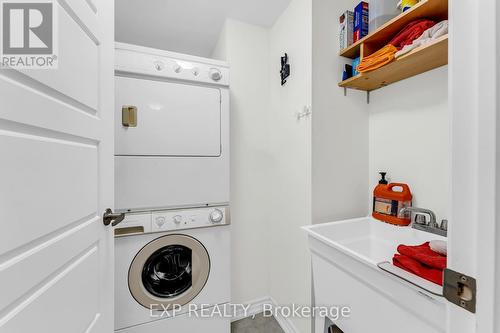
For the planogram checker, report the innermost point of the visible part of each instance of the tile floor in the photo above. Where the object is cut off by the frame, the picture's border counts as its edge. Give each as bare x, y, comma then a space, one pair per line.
259, 324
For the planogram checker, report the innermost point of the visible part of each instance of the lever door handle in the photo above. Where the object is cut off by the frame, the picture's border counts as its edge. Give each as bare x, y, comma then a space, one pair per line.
112, 218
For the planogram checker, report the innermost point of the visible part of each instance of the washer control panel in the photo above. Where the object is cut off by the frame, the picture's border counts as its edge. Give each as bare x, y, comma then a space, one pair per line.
171, 220
189, 218
186, 219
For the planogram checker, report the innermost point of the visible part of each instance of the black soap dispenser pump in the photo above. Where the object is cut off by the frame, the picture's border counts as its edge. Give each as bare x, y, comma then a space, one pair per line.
383, 180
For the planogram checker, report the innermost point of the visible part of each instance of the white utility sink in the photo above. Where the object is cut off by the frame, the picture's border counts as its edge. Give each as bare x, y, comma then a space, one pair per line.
352, 264
367, 239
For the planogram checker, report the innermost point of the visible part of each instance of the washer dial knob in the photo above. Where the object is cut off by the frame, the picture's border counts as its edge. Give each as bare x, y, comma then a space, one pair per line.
177, 219
215, 74
160, 221
216, 216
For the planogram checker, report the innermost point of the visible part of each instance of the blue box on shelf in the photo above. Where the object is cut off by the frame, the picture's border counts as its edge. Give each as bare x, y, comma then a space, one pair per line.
361, 19
355, 63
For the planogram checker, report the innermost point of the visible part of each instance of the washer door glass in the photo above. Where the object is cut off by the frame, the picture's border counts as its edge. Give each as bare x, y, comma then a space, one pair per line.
168, 272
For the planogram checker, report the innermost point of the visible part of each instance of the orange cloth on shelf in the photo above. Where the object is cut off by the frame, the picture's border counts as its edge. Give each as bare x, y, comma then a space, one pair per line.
378, 59
385, 55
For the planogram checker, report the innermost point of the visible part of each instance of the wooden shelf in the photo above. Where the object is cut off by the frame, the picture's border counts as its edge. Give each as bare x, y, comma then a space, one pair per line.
432, 9
419, 60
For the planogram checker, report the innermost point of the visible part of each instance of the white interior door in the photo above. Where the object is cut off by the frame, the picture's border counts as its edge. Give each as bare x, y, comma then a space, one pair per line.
56, 179
473, 234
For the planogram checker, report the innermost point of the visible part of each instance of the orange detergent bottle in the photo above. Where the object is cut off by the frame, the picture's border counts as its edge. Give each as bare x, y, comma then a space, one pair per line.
389, 199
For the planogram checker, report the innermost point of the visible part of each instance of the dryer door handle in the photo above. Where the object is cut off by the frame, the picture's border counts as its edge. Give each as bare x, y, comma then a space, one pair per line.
112, 218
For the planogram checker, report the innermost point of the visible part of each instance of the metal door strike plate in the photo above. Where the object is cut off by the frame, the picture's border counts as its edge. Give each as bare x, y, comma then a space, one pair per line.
460, 289
129, 116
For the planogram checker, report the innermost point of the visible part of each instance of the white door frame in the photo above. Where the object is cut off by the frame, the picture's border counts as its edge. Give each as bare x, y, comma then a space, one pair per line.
473, 95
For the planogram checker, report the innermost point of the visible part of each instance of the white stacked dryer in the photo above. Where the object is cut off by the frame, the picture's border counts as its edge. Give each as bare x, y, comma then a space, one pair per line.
172, 181
177, 152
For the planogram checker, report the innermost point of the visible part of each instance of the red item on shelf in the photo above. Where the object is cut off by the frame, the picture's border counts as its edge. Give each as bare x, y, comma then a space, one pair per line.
411, 32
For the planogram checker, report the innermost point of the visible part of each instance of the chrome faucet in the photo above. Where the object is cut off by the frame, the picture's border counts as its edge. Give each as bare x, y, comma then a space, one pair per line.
420, 221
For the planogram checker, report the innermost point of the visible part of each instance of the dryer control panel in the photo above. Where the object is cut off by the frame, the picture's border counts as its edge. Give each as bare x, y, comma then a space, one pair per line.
172, 220
152, 62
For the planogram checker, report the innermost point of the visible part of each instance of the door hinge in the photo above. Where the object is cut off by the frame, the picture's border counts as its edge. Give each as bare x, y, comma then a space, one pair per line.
460, 289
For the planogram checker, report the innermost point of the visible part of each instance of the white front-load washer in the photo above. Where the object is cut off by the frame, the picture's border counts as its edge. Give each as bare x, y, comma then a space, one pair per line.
168, 265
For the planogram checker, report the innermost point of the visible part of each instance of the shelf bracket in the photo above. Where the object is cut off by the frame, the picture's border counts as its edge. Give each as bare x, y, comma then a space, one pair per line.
367, 97
345, 91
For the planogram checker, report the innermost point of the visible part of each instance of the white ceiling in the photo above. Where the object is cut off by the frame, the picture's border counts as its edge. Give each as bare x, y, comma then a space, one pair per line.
187, 26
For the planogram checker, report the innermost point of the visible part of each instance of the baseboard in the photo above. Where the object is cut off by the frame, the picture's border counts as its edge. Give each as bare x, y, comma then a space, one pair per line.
257, 306
285, 322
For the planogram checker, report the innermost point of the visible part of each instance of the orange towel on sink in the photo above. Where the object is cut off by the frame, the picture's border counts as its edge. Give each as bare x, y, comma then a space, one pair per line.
422, 261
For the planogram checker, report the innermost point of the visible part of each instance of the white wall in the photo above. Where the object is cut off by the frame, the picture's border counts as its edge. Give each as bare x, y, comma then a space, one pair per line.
290, 167
339, 125
270, 158
410, 138
245, 47
404, 131
220, 49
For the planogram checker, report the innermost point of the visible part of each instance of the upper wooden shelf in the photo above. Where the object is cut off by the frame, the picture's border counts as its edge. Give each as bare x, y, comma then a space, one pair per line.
419, 60
432, 9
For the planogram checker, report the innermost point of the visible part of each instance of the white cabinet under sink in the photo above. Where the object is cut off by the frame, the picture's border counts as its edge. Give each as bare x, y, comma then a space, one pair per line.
345, 256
